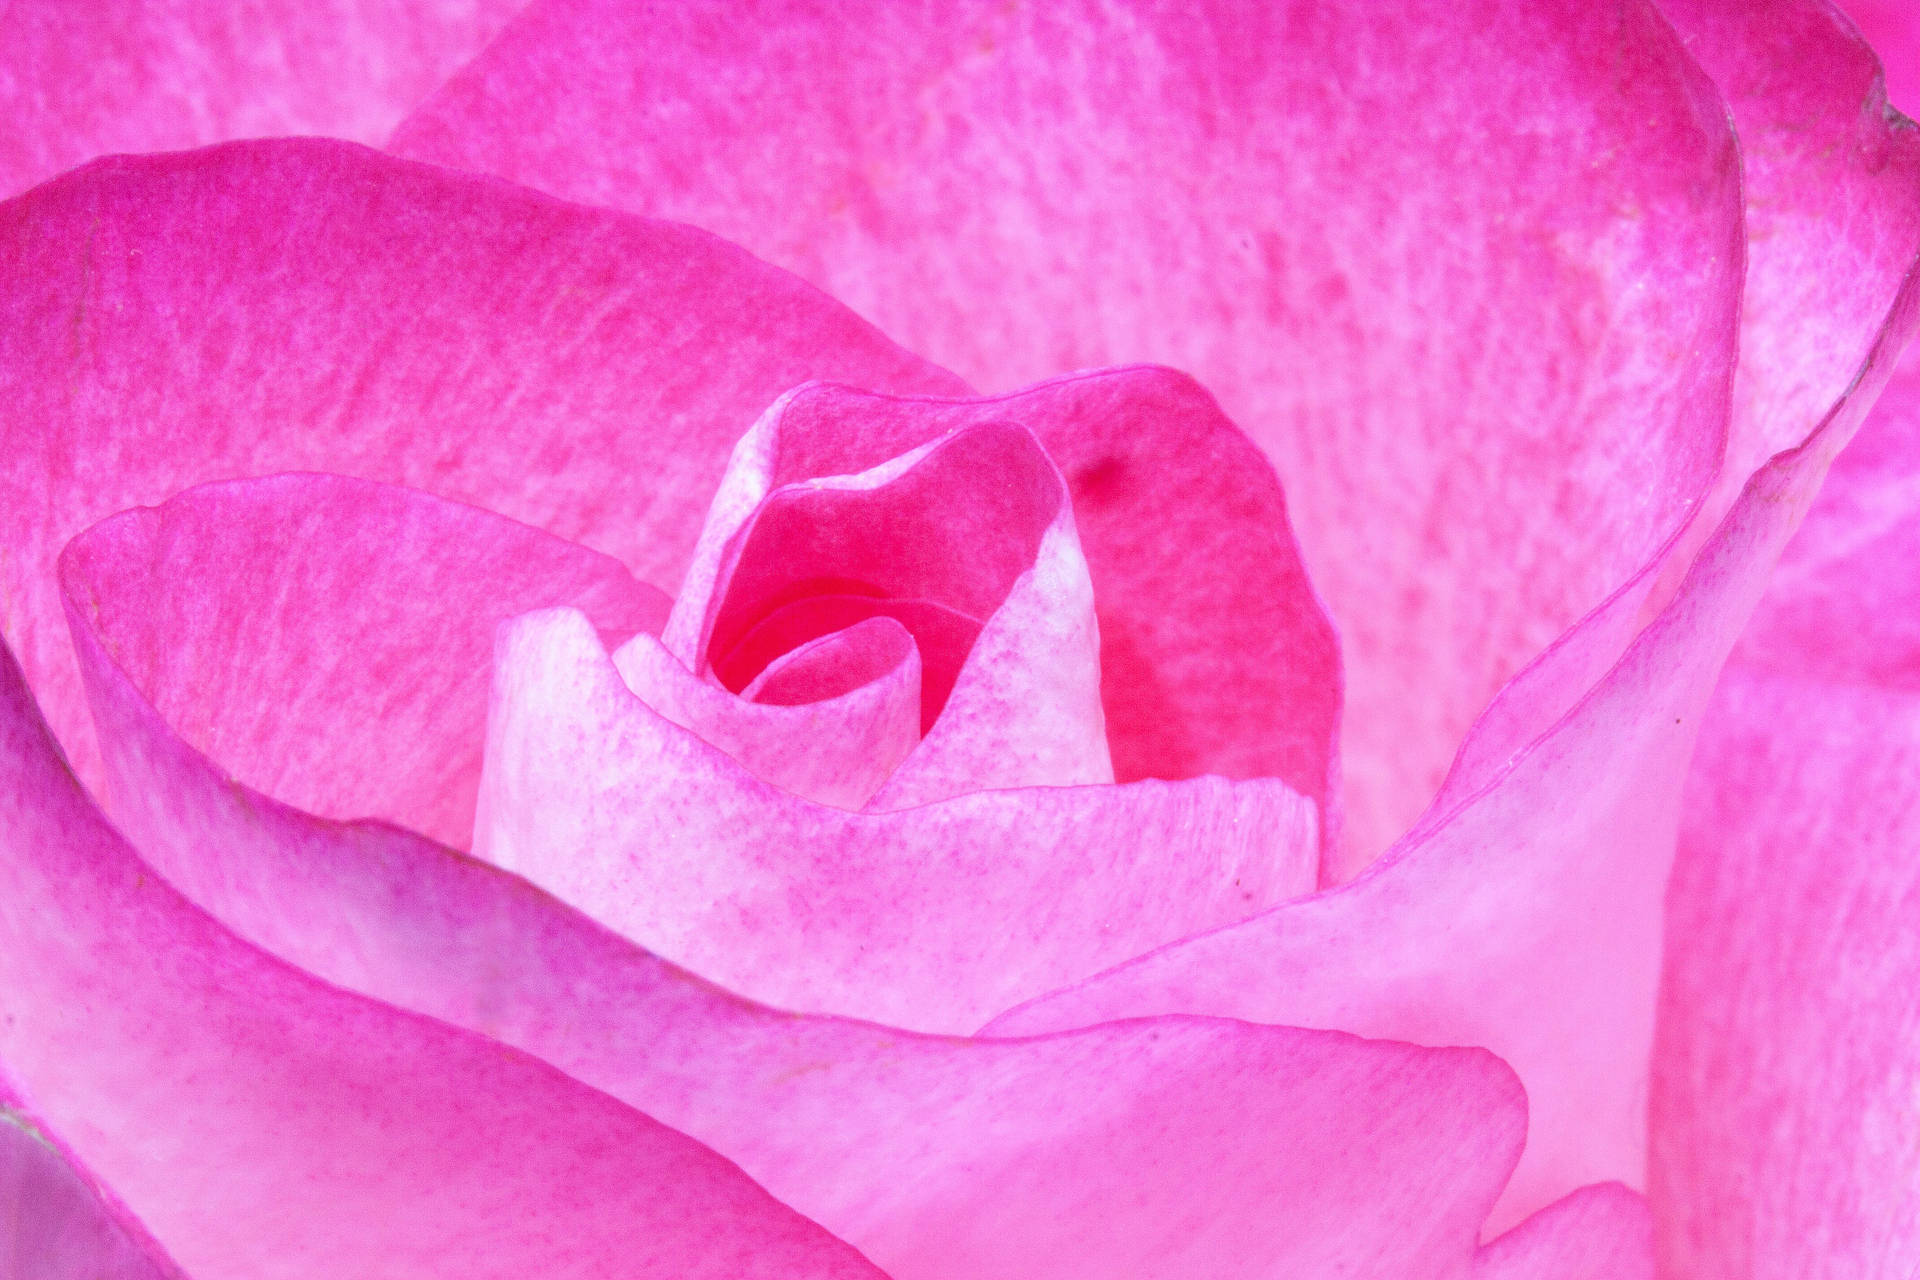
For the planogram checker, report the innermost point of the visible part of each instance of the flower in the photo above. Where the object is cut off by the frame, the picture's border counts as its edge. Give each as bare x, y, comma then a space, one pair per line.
987, 860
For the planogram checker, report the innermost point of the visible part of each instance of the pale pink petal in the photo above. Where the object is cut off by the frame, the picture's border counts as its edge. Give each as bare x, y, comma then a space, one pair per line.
1832, 182
1527, 917
84, 80
968, 542
264, 1124
1468, 270
828, 721
1180, 1147
582, 371
935, 918
1892, 27
1216, 656
54, 1226
1789, 1039
307, 597
1601, 1232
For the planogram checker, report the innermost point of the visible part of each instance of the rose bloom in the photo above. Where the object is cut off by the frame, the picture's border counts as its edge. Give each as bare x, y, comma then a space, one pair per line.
959, 640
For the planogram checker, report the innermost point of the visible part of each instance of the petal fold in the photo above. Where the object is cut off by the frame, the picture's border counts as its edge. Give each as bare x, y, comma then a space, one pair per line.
53, 1226
1788, 1055
935, 917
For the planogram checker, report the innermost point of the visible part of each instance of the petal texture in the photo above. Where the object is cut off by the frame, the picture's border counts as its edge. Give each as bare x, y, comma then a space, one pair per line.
799, 726
79, 81
1178, 1147
1789, 1040
1893, 30
262, 1123
362, 581
53, 1226
1494, 384
1832, 182
584, 372
1526, 918
935, 918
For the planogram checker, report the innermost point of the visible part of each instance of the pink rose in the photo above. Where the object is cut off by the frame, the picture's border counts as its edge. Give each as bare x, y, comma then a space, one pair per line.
543, 744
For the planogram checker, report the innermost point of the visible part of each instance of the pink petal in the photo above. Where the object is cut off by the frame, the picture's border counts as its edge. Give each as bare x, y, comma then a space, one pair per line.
1527, 917
934, 918
1215, 654
1468, 270
53, 1226
364, 582
1789, 1046
1832, 208
853, 713
581, 371
1892, 27
1602, 1232
261, 1122
968, 541
82, 80
1178, 1147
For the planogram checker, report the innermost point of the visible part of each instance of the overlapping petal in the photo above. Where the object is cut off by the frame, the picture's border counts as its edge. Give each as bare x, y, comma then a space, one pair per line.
1527, 917
1788, 1058
1832, 187
53, 1226
1601, 1232
262, 1123
109, 76
1216, 655
583, 371
1893, 29
1469, 272
1182, 1147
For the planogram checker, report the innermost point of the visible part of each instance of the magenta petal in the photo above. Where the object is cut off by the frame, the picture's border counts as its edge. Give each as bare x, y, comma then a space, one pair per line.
1892, 27
831, 721
109, 76
1183, 1147
1468, 270
1788, 1057
1832, 206
1526, 917
585, 372
330, 640
53, 1226
1216, 656
1602, 1232
261, 1122
934, 918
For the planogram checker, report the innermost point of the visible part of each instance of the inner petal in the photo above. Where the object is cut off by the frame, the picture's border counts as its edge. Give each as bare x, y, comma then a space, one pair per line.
937, 547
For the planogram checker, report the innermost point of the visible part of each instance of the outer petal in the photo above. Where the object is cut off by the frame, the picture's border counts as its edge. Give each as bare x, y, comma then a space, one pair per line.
306, 596
1179, 1147
1789, 1048
82, 80
1832, 183
53, 1226
1526, 918
1216, 656
584, 372
1602, 1232
262, 1123
935, 918
1468, 270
